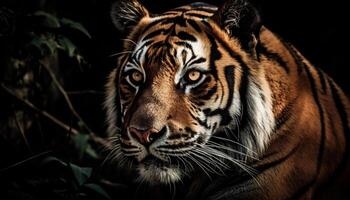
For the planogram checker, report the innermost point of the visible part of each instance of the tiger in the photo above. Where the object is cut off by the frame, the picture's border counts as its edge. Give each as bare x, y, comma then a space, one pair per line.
206, 102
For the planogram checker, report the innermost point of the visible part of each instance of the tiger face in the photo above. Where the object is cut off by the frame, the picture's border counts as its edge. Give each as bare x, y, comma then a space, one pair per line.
179, 86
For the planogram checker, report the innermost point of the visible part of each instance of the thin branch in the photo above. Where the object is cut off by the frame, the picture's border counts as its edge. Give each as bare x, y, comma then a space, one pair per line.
23, 161
84, 92
93, 136
42, 112
98, 140
66, 97
21, 130
112, 184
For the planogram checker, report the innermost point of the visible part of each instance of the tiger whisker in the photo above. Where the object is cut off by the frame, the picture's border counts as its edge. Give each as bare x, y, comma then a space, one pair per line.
218, 165
248, 169
186, 164
220, 146
205, 162
111, 154
198, 163
119, 53
235, 142
129, 40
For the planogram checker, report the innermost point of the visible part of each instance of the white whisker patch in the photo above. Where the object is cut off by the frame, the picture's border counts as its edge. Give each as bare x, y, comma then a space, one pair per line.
153, 174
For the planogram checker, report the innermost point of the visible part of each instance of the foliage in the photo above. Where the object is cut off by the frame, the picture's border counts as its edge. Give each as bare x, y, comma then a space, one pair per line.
49, 177
40, 123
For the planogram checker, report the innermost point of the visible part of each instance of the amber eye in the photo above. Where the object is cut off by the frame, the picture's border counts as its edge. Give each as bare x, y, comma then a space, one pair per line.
193, 76
136, 76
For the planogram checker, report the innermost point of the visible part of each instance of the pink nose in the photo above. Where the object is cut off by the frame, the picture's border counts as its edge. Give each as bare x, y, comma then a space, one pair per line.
144, 136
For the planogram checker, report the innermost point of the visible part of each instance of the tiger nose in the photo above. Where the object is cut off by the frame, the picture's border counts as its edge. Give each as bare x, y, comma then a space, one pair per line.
145, 136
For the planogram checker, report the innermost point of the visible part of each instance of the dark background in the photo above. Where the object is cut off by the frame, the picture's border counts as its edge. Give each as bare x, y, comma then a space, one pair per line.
319, 29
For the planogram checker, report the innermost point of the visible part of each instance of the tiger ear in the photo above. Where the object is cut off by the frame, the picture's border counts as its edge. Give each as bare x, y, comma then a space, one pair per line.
126, 14
240, 19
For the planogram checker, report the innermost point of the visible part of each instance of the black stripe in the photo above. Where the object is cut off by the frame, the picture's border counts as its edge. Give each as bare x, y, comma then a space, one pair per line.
171, 58
230, 78
194, 25
207, 24
180, 9
314, 89
243, 89
226, 118
346, 129
276, 162
299, 61
285, 114
322, 80
150, 25
214, 55
184, 44
186, 36
198, 60
188, 46
203, 123
180, 20
138, 53
209, 93
272, 56
155, 33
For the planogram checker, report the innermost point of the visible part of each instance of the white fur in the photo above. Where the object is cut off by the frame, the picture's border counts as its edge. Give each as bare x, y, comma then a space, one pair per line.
261, 118
159, 175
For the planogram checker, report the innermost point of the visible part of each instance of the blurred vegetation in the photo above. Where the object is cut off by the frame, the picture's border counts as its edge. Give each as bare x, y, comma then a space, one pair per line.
47, 148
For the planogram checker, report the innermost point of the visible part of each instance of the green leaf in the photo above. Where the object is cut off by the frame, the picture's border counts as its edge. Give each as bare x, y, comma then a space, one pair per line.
80, 59
49, 20
75, 25
45, 46
81, 142
91, 152
52, 159
67, 45
98, 190
81, 174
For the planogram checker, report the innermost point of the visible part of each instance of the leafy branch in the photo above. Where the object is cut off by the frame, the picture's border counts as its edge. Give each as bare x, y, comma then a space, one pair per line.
70, 129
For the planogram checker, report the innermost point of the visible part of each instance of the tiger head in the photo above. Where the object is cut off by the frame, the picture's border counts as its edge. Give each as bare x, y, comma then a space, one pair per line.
187, 94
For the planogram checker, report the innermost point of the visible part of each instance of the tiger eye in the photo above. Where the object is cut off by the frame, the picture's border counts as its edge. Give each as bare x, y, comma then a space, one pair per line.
136, 76
193, 75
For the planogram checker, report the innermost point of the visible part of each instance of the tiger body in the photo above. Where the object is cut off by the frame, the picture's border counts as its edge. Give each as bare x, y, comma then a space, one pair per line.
240, 111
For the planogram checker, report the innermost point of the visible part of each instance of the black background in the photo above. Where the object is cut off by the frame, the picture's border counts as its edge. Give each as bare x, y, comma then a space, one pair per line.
319, 29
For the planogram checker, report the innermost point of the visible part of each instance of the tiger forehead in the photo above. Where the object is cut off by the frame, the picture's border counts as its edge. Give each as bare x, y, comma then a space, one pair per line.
174, 54
190, 18
173, 39
200, 10
170, 45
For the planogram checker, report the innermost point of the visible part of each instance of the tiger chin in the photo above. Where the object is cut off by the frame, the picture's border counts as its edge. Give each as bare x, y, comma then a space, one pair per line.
210, 101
